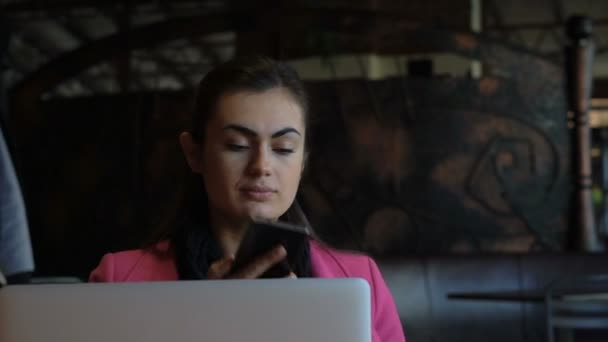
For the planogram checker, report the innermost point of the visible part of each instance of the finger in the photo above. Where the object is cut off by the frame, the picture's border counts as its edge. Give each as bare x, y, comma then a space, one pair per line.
261, 264
220, 268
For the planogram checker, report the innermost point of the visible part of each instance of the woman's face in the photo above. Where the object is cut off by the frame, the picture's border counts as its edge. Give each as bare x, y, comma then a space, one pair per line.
253, 154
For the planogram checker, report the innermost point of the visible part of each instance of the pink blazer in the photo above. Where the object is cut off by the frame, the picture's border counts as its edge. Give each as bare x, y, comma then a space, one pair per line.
159, 264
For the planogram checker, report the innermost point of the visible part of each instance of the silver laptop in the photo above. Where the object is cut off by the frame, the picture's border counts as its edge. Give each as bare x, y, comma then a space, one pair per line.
303, 310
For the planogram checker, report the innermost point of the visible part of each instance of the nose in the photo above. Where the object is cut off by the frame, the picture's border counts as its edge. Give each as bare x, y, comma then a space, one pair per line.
260, 163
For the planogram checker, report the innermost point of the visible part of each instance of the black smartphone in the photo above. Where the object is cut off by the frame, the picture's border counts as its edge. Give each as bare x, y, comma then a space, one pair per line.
263, 236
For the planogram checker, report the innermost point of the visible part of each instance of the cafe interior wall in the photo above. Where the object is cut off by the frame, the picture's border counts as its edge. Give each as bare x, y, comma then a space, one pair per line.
413, 154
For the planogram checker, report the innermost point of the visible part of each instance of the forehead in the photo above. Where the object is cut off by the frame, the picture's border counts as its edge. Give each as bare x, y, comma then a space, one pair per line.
266, 110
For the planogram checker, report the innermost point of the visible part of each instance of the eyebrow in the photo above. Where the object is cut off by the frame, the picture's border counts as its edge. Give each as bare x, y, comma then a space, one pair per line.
251, 133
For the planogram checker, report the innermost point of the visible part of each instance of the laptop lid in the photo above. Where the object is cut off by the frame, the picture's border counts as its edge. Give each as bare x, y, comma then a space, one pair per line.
271, 310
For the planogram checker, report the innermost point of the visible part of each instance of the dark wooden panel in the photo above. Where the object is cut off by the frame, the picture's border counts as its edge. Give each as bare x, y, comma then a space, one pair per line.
100, 176
459, 169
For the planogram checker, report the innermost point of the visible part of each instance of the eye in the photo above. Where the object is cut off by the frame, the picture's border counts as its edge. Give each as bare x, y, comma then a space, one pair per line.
283, 151
236, 147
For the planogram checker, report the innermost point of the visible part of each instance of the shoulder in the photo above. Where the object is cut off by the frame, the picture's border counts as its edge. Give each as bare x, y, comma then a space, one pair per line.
328, 262
154, 263
331, 263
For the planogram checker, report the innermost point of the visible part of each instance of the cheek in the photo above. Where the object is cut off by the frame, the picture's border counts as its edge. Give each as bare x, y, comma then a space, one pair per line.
291, 176
224, 169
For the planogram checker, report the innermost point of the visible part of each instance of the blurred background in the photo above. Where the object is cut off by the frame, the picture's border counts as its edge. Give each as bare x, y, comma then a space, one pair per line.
444, 141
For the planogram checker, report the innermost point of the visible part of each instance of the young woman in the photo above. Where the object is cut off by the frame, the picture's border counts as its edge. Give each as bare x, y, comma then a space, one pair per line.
248, 147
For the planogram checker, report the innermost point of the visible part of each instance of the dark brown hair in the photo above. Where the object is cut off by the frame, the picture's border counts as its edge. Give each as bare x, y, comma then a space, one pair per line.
187, 228
255, 74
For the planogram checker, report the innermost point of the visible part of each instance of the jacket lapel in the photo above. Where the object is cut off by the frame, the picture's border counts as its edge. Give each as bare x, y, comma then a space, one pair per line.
323, 263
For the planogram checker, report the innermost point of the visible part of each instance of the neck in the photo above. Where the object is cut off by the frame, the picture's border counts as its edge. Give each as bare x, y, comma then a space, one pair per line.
228, 233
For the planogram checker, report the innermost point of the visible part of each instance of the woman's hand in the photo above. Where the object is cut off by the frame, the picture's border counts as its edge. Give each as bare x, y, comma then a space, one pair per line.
221, 268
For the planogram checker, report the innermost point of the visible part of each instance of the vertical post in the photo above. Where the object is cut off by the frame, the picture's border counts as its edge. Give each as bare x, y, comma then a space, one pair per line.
579, 61
476, 26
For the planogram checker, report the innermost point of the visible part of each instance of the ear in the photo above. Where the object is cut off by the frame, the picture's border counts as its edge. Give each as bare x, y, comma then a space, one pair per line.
192, 151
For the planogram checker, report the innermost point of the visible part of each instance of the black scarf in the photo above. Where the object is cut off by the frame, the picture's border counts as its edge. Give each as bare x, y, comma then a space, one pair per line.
196, 250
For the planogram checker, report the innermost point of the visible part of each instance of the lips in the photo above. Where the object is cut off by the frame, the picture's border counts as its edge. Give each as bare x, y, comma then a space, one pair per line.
258, 193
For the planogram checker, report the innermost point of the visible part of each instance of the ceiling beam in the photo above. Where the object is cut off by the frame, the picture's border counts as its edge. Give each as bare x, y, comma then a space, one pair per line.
24, 7
92, 82
539, 25
496, 14
48, 50
165, 63
396, 35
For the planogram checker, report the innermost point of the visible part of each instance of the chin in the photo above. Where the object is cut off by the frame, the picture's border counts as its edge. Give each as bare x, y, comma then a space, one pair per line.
261, 214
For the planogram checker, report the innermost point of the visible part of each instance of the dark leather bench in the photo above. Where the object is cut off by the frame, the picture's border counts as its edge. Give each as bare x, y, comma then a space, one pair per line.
420, 286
